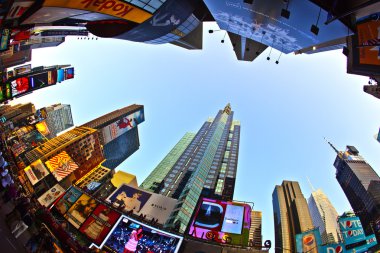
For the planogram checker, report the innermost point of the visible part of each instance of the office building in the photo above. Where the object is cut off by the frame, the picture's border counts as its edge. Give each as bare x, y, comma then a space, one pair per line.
373, 90
291, 215
201, 164
119, 133
255, 236
324, 217
359, 182
58, 118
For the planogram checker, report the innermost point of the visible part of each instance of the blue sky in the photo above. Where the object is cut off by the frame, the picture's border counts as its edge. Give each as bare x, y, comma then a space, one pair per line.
285, 110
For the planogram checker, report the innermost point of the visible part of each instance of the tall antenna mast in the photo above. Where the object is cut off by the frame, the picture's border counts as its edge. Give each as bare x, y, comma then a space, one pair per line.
332, 146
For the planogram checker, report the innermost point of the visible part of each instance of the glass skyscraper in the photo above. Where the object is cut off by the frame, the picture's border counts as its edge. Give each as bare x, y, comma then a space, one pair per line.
324, 217
291, 215
58, 118
201, 164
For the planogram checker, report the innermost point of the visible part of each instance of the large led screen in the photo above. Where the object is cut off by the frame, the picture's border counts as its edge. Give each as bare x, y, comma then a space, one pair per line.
60, 75
36, 172
20, 86
80, 210
351, 229
309, 241
69, 73
368, 29
222, 222
70, 197
43, 79
132, 236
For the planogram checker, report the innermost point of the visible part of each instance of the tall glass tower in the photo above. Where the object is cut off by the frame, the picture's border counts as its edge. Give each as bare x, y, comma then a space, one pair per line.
324, 217
201, 164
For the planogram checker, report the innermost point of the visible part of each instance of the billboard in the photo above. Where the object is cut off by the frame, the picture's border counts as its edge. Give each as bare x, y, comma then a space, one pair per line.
61, 165
368, 31
99, 224
132, 236
51, 195
42, 80
4, 41
222, 222
60, 75
166, 19
352, 230
36, 172
19, 86
116, 8
309, 241
70, 197
62, 32
262, 21
154, 206
23, 69
18, 8
69, 73
43, 128
80, 210
114, 130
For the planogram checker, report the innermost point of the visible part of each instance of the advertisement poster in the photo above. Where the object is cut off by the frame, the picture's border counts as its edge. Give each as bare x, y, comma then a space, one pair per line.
36, 171
18, 8
131, 236
333, 248
61, 165
70, 197
309, 241
352, 230
152, 205
120, 127
222, 222
369, 39
23, 69
60, 75
80, 210
262, 21
43, 79
43, 128
99, 224
69, 73
4, 41
20, 86
51, 195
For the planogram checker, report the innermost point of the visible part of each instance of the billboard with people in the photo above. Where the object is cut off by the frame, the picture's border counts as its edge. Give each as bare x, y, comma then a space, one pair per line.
36, 171
150, 205
132, 236
222, 222
80, 210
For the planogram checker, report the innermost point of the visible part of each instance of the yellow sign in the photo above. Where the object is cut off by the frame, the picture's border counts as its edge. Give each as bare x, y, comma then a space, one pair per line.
114, 8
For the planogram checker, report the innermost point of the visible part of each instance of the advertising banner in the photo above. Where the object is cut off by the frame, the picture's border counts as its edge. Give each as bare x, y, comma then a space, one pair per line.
116, 8
132, 236
154, 206
70, 197
61, 165
2, 94
309, 241
18, 8
333, 248
80, 210
43, 128
4, 41
352, 230
60, 75
114, 130
19, 86
51, 195
99, 224
61, 32
222, 222
166, 19
69, 73
23, 69
36, 171
262, 21
368, 30
42, 80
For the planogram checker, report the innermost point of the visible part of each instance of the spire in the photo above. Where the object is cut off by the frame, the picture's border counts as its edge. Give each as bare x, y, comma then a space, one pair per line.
332, 146
227, 109
311, 186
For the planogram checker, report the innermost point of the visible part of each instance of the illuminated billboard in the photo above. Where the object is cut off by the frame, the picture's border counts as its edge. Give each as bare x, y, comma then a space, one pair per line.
132, 236
69, 73
222, 222
99, 224
43, 128
368, 30
36, 171
70, 197
152, 205
61, 165
114, 130
80, 210
42, 80
262, 21
116, 8
18, 8
4, 41
23, 69
60, 75
309, 241
351, 229
51, 195
20, 86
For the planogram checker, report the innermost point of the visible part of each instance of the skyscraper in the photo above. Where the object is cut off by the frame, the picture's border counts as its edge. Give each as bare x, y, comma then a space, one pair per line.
255, 237
291, 215
201, 164
324, 216
355, 176
118, 133
58, 118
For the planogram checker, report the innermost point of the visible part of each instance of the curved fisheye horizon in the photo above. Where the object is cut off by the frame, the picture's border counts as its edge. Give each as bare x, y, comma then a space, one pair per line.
270, 120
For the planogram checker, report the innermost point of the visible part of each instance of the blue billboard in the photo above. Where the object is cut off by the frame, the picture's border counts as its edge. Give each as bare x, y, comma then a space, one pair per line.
309, 241
262, 21
351, 229
333, 248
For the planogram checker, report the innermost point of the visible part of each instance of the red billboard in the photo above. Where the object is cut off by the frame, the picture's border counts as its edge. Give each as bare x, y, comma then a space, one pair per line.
20, 86
222, 222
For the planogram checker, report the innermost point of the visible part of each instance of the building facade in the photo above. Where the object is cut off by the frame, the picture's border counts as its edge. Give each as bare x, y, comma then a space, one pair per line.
119, 133
255, 236
355, 176
324, 217
203, 164
58, 118
291, 215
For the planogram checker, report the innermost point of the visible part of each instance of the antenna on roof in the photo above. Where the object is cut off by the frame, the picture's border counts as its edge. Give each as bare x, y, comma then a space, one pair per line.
331, 145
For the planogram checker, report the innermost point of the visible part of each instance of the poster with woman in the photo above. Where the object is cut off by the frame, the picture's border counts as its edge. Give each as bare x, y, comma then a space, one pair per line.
99, 224
68, 200
80, 210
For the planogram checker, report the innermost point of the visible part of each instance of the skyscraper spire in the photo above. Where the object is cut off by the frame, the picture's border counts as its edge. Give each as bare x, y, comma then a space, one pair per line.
227, 109
311, 186
332, 146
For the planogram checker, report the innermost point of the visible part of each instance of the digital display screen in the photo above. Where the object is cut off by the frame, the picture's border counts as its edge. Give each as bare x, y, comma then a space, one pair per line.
233, 219
20, 86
